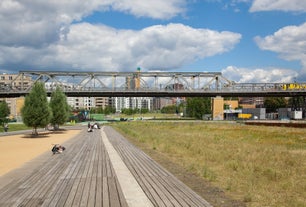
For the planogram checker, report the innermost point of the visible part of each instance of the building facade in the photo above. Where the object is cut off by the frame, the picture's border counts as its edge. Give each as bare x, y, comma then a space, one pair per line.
133, 103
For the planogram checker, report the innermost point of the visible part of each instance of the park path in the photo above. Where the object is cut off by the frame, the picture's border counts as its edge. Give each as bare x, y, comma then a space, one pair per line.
99, 168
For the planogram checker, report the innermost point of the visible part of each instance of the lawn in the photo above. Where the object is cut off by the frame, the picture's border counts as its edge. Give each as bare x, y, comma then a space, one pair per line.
15, 127
261, 166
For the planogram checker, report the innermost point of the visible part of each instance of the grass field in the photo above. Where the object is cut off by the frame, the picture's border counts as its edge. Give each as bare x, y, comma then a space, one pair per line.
261, 166
15, 127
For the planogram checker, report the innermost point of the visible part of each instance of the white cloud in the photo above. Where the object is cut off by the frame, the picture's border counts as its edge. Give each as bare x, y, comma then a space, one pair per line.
98, 47
38, 23
259, 75
50, 35
289, 42
281, 5
156, 47
159, 9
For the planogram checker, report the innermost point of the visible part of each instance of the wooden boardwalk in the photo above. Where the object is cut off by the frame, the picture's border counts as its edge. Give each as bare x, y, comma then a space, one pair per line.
84, 176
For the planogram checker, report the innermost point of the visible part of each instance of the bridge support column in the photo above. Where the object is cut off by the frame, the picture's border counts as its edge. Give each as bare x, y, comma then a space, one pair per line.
217, 108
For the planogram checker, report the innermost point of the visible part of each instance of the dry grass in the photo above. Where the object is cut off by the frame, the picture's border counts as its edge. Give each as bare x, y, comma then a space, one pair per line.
262, 166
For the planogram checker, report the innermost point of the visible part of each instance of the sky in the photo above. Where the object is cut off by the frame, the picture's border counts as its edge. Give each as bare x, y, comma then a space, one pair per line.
249, 41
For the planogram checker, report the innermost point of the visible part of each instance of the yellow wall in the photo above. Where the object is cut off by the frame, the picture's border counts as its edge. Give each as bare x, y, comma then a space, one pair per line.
19, 105
248, 106
217, 108
233, 104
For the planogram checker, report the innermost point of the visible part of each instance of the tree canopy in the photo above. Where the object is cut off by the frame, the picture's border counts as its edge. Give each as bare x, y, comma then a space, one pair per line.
4, 112
59, 107
173, 109
274, 103
170, 109
36, 111
197, 107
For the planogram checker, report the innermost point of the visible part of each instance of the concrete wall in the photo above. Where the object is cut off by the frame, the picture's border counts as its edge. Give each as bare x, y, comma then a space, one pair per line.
260, 113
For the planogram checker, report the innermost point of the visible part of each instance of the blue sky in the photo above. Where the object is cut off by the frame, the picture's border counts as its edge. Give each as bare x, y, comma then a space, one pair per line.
246, 40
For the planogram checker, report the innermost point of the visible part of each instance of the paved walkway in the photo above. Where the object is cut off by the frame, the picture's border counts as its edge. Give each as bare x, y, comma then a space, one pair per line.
98, 169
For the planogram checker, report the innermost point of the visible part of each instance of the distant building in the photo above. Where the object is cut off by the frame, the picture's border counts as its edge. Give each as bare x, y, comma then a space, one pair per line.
133, 103
160, 102
102, 102
14, 80
15, 105
257, 102
82, 102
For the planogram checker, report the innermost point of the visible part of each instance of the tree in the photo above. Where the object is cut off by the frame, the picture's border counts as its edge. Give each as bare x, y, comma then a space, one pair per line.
296, 102
272, 104
4, 112
59, 107
36, 111
128, 111
197, 107
170, 109
109, 110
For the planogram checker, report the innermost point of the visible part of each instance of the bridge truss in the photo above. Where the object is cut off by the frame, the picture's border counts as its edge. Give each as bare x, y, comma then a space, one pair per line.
146, 84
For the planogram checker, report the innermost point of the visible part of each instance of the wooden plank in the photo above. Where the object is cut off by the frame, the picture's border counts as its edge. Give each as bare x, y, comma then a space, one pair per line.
16, 189
158, 183
146, 186
113, 192
152, 190
74, 184
75, 179
182, 194
64, 179
78, 196
93, 182
84, 176
70, 183
99, 187
148, 172
106, 196
122, 200
36, 186
87, 186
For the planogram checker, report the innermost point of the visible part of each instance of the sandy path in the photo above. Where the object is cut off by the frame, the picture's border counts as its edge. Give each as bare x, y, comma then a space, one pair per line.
16, 150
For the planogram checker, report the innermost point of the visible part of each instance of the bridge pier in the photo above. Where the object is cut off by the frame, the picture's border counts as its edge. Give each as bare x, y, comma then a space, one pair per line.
217, 108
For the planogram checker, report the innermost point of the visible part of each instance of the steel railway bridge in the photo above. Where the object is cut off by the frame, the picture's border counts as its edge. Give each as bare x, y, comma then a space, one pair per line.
145, 84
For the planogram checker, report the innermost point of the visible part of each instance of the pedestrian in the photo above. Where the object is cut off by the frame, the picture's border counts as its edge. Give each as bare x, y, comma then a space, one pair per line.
6, 127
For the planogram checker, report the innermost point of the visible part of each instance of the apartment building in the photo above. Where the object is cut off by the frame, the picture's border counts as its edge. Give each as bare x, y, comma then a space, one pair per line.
133, 102
8, 81
14, 80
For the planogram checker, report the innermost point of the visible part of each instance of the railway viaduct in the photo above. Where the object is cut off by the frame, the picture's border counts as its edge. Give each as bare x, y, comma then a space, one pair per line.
145, 84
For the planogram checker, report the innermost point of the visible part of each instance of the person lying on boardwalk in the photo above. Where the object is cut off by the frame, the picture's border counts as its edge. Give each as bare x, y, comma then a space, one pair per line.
58, 148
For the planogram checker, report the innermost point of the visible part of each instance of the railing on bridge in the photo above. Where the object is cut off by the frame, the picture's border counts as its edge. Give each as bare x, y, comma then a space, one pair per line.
145, 84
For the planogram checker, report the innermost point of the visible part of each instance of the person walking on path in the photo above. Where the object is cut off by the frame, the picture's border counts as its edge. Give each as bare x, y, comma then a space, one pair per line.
6, 127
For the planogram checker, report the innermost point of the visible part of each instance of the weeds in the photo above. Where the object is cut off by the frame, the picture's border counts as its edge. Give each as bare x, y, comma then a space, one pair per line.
262, 166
